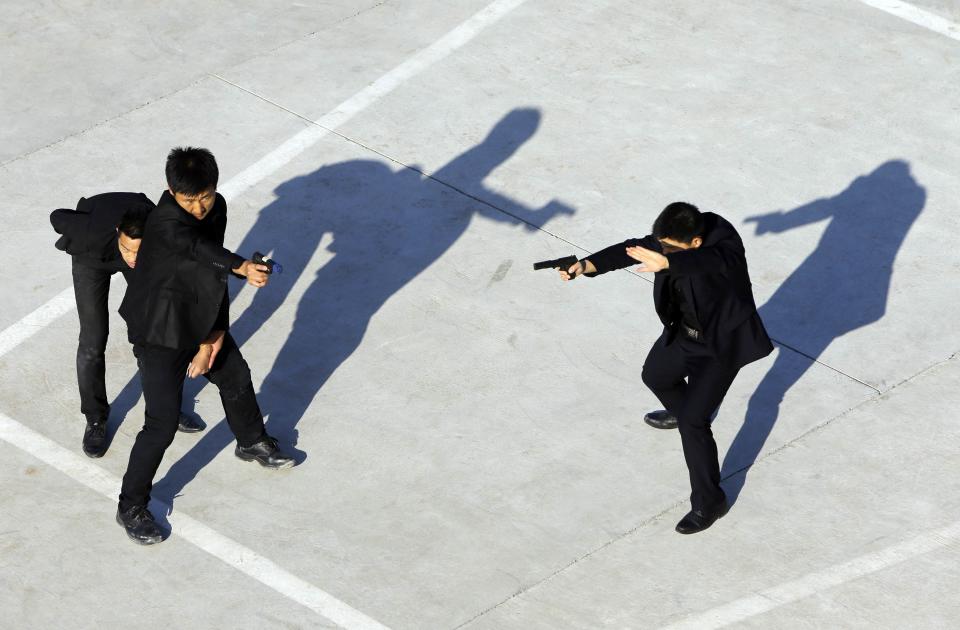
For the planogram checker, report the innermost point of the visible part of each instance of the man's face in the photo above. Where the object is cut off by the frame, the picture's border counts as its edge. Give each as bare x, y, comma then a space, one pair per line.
128, 249
670, 246
197, 205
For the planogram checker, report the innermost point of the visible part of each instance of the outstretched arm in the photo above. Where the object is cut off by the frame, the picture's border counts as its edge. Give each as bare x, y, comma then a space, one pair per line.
616, 256
703, 260
609, 259
780, 221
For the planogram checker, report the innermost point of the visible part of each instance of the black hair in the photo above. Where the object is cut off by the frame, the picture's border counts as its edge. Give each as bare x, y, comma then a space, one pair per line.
679, 221
134, 220
191, 170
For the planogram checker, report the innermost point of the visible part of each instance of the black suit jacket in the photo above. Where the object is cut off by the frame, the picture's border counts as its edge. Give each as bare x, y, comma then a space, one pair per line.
178, 290
714, 280
90, 231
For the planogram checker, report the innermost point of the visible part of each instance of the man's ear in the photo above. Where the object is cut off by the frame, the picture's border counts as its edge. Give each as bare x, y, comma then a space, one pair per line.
696, 242
170, 190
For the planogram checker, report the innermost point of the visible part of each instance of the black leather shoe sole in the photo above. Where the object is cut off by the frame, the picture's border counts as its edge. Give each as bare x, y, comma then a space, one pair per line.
188, 424
696, 522
660, 420
140, 540
253, 458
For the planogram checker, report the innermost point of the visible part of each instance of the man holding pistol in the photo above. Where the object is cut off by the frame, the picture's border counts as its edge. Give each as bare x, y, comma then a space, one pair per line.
177, 313
703, 296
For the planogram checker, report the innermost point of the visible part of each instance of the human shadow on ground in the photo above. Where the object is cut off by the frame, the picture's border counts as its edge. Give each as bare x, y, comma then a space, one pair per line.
387, 227
842, 286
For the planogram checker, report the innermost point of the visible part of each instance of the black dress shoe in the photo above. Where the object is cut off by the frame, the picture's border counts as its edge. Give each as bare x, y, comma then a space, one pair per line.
95, 438
661, 420
189, 424
699, 520
140, 526
266, 453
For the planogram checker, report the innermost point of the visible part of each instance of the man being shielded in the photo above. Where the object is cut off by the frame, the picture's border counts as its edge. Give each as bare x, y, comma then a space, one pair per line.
103, 237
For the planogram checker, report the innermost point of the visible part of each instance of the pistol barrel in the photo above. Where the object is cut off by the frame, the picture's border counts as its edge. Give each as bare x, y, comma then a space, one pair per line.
560, 263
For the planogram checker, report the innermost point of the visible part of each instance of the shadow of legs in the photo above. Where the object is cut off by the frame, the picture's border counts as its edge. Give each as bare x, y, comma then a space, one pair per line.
216, 438
125, 401
762, 413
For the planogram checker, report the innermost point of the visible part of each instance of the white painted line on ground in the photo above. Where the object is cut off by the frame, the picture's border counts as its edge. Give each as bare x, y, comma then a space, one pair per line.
17, 333
366, 97
813, 583
920, 17
22, 330
189, 529
225, 549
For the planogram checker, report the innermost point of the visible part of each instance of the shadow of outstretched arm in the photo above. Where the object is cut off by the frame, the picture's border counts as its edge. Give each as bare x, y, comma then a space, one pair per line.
780, 221
843, 285
377, 216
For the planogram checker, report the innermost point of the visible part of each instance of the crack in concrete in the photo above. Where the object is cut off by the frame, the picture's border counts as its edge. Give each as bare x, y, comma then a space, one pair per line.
201, 76
101, 123
826, 365
473, 197
523, 590
796, 350
650, 520
877, 393
400, 163
920, 373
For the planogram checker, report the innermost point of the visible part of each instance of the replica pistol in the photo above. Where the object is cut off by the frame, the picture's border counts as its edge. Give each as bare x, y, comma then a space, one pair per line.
560, 263
269, 263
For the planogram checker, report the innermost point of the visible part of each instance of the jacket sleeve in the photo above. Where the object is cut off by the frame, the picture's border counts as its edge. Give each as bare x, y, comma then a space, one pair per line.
715, 259
615, 256
208, 251
72, 227
186, 242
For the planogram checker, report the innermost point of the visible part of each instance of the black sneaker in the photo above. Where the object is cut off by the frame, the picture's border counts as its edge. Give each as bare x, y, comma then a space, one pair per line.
95, 438
189, 424
140, 526
266, 452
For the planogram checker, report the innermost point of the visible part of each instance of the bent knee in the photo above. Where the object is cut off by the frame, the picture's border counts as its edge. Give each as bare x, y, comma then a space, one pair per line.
688, 423
92, 348
654, 380
161, 431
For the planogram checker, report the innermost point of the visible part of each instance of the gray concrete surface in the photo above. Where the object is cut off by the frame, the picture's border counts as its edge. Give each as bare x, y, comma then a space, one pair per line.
474, 454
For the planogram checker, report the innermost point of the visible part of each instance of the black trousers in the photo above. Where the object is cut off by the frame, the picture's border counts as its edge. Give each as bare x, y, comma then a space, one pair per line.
91, 287
690, 383
162, 372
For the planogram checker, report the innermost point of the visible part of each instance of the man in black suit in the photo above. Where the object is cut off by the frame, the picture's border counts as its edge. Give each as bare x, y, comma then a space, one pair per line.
703, 296
103, 237
177, 313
